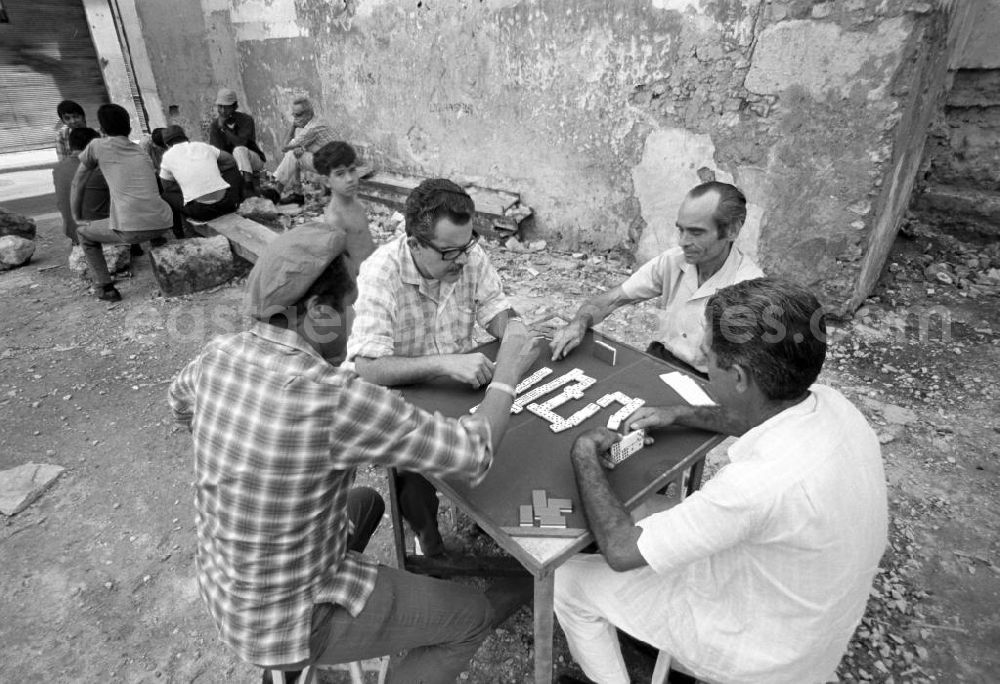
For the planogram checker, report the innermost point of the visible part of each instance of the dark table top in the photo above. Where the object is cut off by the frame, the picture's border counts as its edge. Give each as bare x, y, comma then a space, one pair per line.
531, 456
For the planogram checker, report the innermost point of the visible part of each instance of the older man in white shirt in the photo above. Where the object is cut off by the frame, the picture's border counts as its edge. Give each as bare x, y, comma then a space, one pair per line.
762, 575
682, 278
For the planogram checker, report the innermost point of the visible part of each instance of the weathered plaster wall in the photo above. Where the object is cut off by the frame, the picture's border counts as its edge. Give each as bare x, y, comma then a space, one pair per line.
601, 114
960, 186
177, 39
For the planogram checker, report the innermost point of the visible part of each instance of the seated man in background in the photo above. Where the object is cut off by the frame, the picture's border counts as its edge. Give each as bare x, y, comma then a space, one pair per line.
682, 278
279, 434
307, 135
236, 133
200, 182
138, 213
93, 197
420, 297
763, 574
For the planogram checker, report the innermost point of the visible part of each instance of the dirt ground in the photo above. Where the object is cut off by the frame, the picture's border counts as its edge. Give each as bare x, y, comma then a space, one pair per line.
96, 577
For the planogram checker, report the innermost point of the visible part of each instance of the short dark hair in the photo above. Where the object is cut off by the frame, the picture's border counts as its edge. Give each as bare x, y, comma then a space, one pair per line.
333, 286
332, 155
114, 119
79, 138
433, 199
774, 329
69, 107
730, 212
156, 135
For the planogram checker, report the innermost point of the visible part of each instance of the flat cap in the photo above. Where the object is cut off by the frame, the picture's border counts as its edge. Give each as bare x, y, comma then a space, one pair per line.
173, 134
226, 96
289, 265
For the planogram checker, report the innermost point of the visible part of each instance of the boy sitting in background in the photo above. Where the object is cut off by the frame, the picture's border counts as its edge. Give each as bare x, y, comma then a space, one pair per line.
338, 162
71, 117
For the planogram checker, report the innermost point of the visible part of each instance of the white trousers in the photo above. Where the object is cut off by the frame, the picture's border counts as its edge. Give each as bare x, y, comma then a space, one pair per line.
247, 161
289, 170
589, 609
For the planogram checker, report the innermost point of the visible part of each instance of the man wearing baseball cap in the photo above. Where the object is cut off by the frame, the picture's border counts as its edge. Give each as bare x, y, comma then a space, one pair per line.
236, 133
278, 435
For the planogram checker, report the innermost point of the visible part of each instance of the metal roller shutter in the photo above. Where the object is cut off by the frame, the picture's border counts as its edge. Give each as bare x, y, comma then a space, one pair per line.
46, 56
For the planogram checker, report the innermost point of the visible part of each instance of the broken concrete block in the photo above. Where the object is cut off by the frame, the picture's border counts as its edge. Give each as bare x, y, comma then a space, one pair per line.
258, 208
119, 258
20, 486
191, 265
15, 251
16, 224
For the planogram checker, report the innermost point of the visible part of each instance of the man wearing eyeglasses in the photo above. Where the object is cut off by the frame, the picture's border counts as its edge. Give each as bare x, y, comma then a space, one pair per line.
420, 297
308, 133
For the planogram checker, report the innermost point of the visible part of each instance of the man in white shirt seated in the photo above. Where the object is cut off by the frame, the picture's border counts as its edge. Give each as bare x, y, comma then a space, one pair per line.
200, 182
682, 278
763, 575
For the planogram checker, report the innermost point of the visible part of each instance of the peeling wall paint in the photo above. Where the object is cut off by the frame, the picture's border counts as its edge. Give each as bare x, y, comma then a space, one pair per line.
599, 114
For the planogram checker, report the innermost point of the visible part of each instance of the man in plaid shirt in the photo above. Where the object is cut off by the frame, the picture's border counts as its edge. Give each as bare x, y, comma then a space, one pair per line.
307, 135
420, 298
278, 435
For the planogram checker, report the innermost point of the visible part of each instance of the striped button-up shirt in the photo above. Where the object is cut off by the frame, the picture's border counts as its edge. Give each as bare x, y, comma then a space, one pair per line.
278, 433
401, 313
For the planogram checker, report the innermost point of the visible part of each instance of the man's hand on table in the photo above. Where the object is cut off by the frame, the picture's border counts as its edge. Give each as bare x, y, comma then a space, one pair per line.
473, 369
593, 443
651, 417
518, 350
568, 338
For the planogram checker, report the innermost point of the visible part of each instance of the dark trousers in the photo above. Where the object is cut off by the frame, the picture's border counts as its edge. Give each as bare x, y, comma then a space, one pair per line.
440, 624
657, 349
418, 504
200, 211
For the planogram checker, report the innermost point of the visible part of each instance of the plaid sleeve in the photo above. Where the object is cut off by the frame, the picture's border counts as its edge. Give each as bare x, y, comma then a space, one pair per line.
181, 394
62, 143
490, 299
377, 425
375, 309
305, 137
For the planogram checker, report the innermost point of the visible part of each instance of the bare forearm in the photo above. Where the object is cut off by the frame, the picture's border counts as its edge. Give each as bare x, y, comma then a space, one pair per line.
498, 324
390, 371
712, 418
609, 522
600, 307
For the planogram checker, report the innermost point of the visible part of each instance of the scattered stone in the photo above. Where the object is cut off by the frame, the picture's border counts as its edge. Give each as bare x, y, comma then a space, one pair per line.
16, 225
897, 415
259, 208
15, 251
119, 258
20, 486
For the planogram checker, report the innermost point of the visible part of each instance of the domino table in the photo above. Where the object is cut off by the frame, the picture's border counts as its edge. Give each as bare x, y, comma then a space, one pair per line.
534, 455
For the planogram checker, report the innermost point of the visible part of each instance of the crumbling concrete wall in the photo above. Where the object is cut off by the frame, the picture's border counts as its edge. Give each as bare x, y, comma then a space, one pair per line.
601, 114
960, 187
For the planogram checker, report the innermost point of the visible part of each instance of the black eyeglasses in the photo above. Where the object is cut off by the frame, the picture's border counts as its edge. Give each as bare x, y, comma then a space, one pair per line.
451, 253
